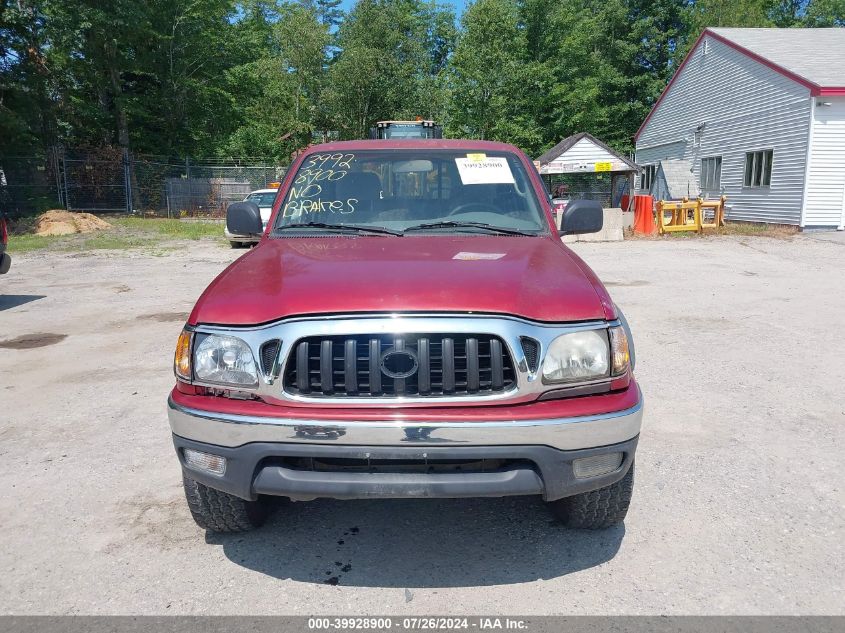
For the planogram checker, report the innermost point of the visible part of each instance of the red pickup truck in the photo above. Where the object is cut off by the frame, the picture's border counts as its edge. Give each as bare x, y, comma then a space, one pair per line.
409, 325
5, 258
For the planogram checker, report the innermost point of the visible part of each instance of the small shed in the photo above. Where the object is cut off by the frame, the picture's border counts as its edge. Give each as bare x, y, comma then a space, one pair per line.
583, 167
674, 180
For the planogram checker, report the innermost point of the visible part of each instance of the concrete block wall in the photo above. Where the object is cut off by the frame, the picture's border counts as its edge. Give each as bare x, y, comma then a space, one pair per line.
611, 230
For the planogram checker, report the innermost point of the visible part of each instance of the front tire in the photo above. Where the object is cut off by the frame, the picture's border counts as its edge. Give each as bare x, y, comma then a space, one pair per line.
221, 512
597, 509
235, 244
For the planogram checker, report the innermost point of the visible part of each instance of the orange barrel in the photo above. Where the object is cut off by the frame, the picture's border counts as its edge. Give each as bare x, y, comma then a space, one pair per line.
644, 215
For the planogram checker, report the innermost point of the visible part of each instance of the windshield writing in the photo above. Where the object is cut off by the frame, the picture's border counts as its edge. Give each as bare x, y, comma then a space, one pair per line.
398, 189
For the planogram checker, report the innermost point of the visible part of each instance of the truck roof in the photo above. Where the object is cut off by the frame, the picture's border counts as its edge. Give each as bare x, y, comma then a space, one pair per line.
392, 121
459, 144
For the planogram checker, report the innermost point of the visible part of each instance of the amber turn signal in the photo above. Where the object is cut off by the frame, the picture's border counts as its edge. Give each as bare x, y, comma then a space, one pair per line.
619, 355
182, 358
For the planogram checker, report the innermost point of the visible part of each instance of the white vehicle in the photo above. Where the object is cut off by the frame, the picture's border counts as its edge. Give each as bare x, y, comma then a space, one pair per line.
264, 198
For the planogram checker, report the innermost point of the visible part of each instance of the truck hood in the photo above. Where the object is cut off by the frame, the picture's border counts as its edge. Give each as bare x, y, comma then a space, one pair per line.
536, 278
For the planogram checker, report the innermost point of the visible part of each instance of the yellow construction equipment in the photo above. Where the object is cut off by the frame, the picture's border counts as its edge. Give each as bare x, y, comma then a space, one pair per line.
685, 216
718, 207
689, 216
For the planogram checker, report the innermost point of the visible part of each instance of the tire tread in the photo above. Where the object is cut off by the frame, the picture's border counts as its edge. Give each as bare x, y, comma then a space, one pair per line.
597, 509
219, 511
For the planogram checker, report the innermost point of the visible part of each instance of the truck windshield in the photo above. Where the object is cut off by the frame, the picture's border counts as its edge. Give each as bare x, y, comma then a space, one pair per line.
406, 130
264, 199
448, 190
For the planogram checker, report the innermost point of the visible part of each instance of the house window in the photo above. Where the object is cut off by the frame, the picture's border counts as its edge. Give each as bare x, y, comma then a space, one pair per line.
711, 174
758, 168
647, 177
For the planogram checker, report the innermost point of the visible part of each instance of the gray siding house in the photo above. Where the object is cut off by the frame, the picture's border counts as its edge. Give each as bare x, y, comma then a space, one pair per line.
757, 115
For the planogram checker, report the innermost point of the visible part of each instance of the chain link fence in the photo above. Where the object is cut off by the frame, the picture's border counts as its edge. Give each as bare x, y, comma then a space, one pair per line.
115, 180
604, 188
580, 187
197, 187
29, 184
95, 181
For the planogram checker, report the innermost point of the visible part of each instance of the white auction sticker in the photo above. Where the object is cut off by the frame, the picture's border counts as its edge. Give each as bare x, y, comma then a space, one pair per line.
471, 257
488, 171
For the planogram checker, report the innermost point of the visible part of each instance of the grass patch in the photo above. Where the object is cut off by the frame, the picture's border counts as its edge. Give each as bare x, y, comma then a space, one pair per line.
172, 228
27, 243
108, 240
742, 229
777, 231
128, 233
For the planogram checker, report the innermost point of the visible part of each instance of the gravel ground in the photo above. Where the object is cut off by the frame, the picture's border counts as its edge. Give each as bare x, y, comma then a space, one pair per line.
738, 505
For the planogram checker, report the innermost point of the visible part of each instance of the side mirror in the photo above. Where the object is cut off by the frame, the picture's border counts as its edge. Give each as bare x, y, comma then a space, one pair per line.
244, 218
582, 216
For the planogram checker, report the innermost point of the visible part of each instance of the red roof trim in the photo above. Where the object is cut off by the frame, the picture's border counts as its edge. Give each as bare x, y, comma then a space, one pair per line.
815, 90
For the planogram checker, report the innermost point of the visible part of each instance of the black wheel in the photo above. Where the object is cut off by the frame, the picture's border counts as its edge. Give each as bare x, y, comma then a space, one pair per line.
221, 512
596, 509
235, 244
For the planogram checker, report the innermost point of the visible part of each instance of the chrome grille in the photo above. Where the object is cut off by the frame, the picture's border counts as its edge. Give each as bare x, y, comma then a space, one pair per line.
531, 348
269, 351
389, 366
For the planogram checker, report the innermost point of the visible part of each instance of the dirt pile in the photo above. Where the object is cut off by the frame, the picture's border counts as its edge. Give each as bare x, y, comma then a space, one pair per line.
65, 223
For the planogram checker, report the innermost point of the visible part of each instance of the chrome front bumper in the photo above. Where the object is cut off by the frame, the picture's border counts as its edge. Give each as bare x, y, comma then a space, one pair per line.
559, 433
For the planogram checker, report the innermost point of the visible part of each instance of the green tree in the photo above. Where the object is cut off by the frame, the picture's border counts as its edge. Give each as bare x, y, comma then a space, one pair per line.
264, 109
27, 112
392, 55
786, 13
730, 13
278, 93
329, 12
94, 67
610, 60
187, 102
303, 40
147, 75
825, 13
541, 33
260, 77
492, 83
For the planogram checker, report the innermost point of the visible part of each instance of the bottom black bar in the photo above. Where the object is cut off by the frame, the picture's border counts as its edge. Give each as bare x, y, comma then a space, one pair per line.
392, 623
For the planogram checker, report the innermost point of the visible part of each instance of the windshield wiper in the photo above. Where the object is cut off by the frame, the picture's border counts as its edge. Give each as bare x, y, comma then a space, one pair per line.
446, 224
356, 228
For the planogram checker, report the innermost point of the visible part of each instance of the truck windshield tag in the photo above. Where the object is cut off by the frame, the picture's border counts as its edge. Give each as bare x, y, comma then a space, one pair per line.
489, 171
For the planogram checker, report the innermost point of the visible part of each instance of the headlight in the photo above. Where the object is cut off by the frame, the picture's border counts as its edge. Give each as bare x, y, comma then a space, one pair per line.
577, 357
224, 360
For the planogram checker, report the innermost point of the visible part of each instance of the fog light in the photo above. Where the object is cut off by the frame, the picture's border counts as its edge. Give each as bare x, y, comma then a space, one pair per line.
213, 464
585, 467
